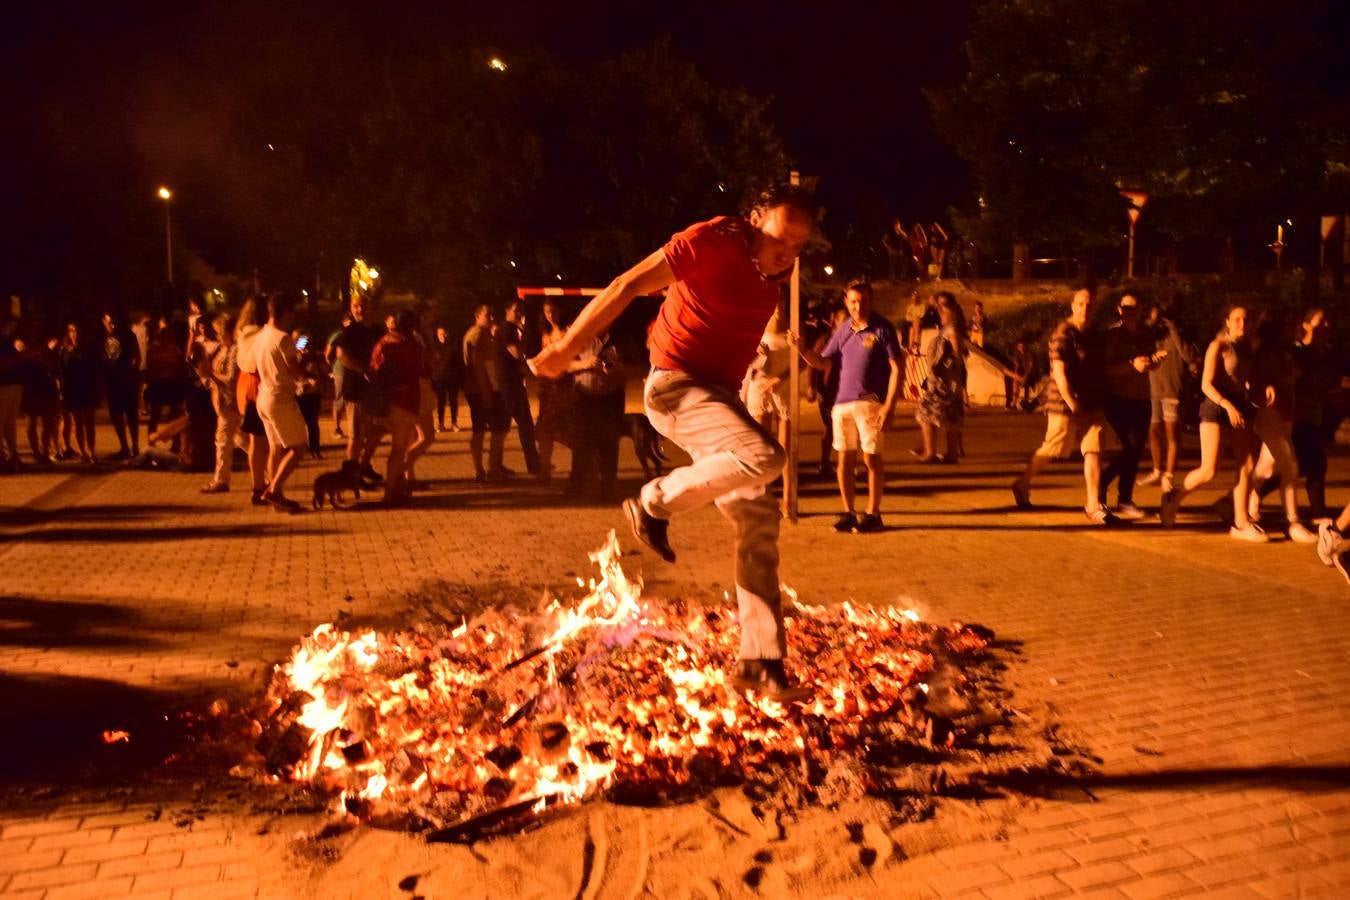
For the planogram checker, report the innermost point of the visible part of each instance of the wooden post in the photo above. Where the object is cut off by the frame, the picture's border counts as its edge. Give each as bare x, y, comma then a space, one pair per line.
793, 448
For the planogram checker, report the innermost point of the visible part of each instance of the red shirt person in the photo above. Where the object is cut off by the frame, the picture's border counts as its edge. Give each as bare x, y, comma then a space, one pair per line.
723, 279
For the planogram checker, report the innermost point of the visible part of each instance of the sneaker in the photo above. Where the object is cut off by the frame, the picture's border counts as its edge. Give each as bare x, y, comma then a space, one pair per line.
258, 497
1151, 478
1128, 512
1101, 516
1342, 561
870, 523
1171, 505
281, 503
1299, 534
1021, 496
648, 529
1252, 534
1328, 540
845, 523
215, 487
768, 677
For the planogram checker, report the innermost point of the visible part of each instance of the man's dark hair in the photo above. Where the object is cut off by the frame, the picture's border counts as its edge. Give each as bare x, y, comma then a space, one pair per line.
861, 285
793, 195
279, 305
945, 297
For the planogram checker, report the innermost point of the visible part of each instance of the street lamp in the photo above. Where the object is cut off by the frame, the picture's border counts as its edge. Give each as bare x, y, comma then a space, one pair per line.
1137, 200
167, 195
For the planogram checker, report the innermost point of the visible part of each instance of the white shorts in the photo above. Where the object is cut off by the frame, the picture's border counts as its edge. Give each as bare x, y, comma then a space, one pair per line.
854, 428
282, 421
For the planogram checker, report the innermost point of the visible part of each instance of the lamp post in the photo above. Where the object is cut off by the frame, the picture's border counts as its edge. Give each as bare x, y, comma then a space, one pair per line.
1136, 199
167, 195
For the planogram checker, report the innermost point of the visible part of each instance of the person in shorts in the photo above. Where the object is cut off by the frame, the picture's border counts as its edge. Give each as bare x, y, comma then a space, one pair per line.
278, 374
867, 353
353, 349
1165, 384
1073, 408
1130, 355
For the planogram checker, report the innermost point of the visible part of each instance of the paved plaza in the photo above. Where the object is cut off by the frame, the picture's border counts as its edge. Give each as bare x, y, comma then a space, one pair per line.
1208, 676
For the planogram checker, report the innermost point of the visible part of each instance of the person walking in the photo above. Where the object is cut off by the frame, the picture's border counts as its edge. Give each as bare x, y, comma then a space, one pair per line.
330, 357
353, 348
1130, 356
724, 278
395, 369
278, 373
220, 370
1165, 383
866, 351
942, 398
424, 434
1225, 412
1073, 409
77, 370
1272, 395
247, 329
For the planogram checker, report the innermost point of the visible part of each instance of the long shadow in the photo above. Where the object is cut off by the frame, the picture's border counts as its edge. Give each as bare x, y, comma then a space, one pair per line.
55, 733
28, 622
22, 515
144, 535
1308, 779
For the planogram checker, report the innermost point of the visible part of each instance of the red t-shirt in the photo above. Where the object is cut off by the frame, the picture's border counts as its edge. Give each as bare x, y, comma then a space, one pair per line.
714, 314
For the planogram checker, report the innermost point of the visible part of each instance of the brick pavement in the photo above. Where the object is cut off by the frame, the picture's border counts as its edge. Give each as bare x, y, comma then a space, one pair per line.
1208, 675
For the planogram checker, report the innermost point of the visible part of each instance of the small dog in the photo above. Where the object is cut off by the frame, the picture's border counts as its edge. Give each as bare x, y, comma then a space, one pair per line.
332, 485
646, 443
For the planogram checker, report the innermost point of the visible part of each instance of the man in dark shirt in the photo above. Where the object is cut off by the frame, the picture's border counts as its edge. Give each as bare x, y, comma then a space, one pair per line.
1129, 356
354, 347
1074, 409
122, 379
511, 341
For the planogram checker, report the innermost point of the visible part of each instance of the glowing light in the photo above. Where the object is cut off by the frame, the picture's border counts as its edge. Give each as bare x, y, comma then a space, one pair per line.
497, 64
374, 273
559, 278
164, 193
512, 262
828, 270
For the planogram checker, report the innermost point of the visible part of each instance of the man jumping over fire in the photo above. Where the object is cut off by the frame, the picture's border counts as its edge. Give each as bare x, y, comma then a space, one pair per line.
724, 277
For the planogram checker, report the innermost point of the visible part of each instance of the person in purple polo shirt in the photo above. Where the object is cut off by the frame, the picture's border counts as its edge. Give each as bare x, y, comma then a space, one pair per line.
867, 353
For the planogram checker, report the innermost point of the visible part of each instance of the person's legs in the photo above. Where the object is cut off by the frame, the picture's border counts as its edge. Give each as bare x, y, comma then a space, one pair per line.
1091, 447
309, 409
227, 426
425, 429
1056, 439
1273, 433
479, 417
119, 422
442, 395
754, 516
258, 458
500, 423
1245, 445
402, 424
848, 489
356, 430
1211, 443
453, 389
826, 408
518, 406
1172, 428
729, 451
1117, 417
1132, 449
1155, 440
84, 432
607, 451
876, 482
1311, 454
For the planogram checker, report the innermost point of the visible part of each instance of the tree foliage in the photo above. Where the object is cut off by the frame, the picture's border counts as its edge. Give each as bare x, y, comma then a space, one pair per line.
1219, 109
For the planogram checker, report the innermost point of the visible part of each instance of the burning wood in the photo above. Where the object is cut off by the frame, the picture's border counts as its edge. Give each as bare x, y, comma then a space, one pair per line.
506, 713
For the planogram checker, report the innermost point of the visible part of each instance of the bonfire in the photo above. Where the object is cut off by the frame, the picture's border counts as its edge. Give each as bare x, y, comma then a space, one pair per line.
612, 693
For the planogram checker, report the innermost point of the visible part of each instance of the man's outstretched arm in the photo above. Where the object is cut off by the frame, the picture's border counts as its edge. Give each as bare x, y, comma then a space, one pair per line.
648, 276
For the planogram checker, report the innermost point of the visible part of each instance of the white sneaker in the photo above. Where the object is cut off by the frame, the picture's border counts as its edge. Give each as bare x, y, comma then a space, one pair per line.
1299, 534
1328, 540
1152, 477
1253, 534
1129, 512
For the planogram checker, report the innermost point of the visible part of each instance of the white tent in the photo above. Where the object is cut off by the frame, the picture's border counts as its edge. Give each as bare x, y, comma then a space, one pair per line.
984, 373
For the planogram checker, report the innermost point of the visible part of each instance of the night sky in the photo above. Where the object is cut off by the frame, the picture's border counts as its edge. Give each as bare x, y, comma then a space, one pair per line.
123, 89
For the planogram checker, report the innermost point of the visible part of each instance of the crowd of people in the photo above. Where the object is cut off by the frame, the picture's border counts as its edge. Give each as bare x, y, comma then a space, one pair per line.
253, 381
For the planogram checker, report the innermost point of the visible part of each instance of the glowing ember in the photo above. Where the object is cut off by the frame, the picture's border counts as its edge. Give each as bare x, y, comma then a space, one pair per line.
116, 737
611, 690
